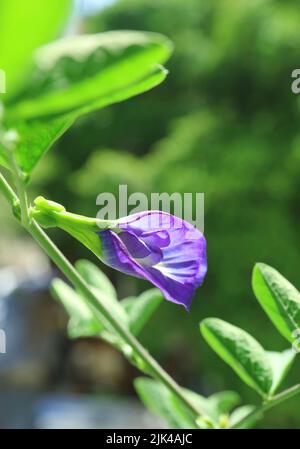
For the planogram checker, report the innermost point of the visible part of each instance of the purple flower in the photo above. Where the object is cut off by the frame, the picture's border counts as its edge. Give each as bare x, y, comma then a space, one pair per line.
163, 249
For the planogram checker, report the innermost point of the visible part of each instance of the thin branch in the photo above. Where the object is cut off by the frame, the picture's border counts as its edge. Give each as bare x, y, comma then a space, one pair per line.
281, 397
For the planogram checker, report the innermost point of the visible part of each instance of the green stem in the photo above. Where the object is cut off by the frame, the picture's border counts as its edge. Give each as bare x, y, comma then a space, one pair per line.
74, 277
19, 183
283, 396
17, 176
8, 192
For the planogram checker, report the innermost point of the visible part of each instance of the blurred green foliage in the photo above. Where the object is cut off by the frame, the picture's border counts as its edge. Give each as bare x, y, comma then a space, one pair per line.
17, 45
224, 123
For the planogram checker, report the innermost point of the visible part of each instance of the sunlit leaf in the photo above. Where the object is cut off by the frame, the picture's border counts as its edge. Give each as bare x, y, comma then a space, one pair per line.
240, 413
80, 74
76, 72
24, 26
279, 299
240, 351
280, 362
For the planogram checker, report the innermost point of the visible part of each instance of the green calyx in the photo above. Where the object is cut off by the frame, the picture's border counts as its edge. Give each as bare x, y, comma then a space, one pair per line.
47, 213
50, 214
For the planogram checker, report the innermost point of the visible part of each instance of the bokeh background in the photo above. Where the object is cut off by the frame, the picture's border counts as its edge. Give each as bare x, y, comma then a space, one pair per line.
225, 123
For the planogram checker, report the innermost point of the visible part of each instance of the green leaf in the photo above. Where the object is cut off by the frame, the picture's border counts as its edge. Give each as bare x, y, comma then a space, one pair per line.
240, 351
36, 137
279, 299
83, 322
222, 403
281, 363
77, 75
103, 288
95, 277
240, 413
140, 309
215, 405
3, 157
24, 26
161, 402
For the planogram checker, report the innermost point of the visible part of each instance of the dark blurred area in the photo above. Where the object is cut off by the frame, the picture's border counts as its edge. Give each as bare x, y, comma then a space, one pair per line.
226, 123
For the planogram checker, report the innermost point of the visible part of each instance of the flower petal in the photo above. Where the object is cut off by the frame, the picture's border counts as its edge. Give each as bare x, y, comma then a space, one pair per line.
138, 249
172, 256
116, 255
150, 221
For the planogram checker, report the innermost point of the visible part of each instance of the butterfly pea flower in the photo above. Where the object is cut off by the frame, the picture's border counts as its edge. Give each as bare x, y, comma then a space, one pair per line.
159, 247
